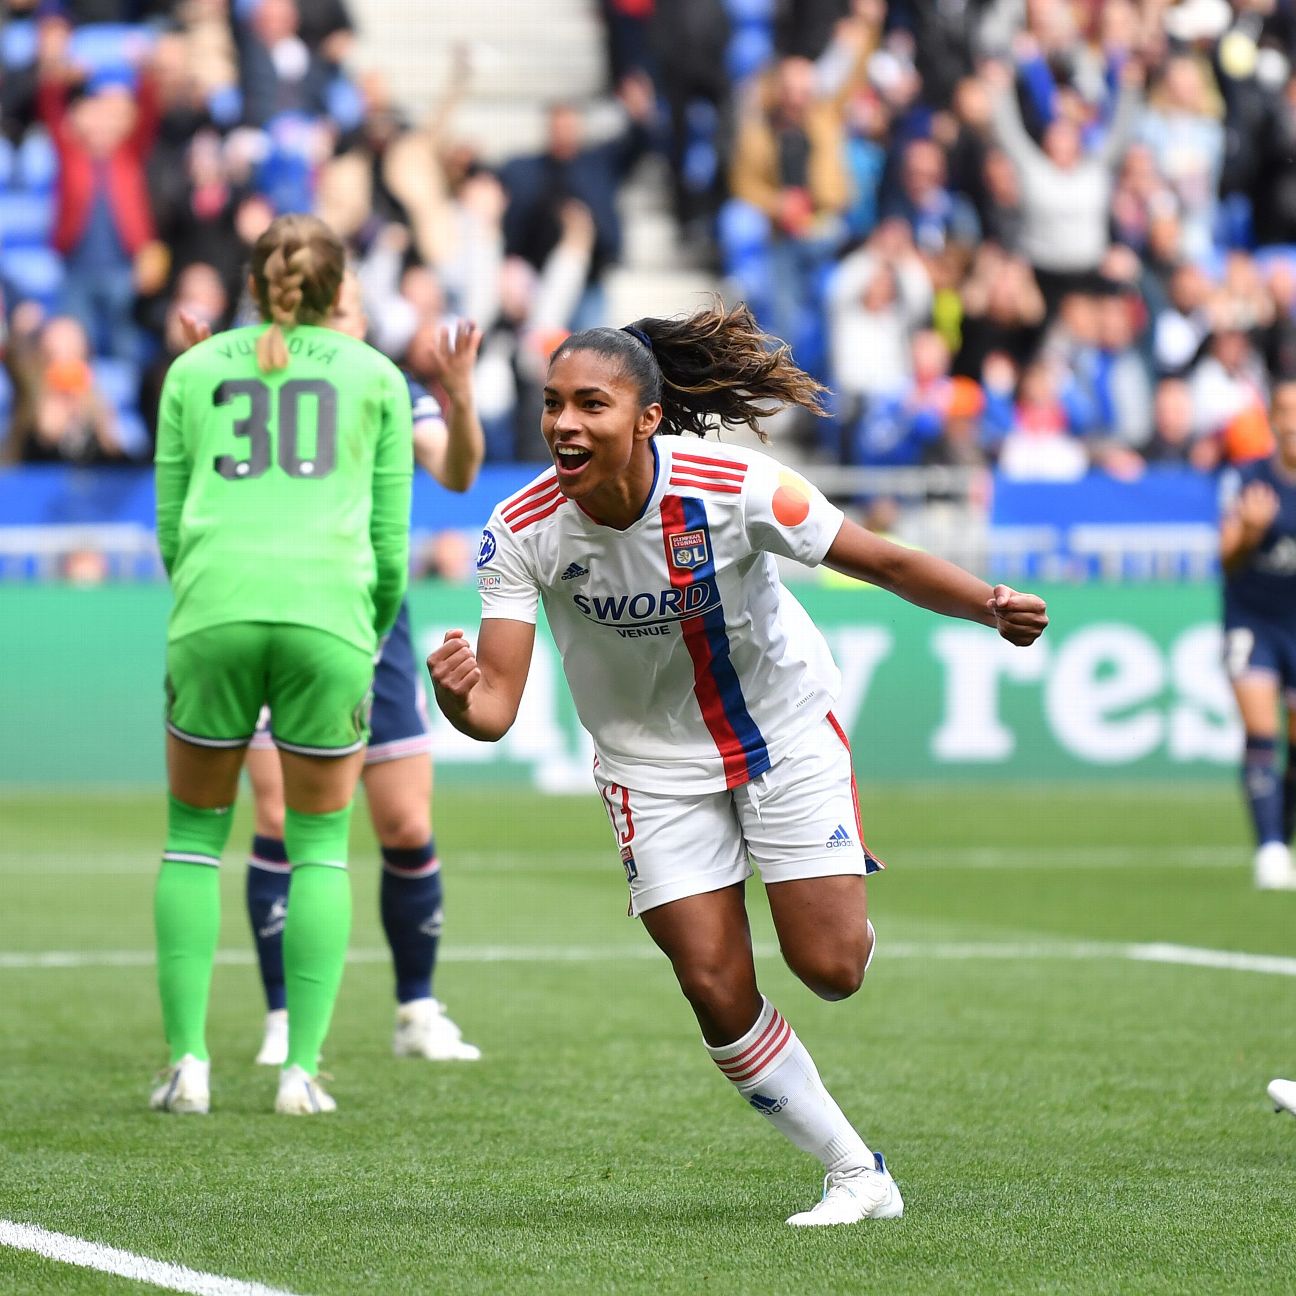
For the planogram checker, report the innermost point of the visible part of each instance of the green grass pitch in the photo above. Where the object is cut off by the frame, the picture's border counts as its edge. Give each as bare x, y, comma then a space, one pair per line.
1061, 1116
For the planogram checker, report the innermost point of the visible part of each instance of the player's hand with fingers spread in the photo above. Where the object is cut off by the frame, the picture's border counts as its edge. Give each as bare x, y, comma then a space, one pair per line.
1019, 618
454, 670
450, 361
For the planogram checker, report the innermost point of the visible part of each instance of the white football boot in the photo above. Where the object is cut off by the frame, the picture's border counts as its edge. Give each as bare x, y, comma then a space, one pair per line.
1274, 870
274, 1043
186, 1089
852, 1196
301, 1094
1282, 1093
423, 1030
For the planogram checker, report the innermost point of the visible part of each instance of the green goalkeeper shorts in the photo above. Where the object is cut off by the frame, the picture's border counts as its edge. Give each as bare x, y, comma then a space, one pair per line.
318, 687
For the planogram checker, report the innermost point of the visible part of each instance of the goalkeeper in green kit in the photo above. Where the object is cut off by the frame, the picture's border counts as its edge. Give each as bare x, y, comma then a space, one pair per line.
284, 465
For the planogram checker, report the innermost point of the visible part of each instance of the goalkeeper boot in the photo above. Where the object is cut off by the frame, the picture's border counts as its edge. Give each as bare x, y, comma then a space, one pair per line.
186, 1089
301, 1094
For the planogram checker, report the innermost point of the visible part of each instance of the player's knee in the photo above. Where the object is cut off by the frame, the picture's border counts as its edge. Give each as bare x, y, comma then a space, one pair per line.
709, 985
270, 821
835, 981
403, 828
837, 973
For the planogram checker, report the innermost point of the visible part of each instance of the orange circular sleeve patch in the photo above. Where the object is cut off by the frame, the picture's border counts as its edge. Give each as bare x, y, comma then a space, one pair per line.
791, 503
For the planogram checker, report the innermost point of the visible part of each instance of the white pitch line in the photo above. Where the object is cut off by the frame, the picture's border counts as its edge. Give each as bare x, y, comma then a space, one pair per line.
1228, 960
105, 1259
991, 858
932, 951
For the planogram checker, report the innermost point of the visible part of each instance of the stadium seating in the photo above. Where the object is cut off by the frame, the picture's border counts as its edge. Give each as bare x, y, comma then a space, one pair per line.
25, 218
36, 167
33, 272
18, 42
107, 49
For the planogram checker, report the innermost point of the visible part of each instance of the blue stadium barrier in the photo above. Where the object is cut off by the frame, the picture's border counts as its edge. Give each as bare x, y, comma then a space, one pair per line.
25, 219
1162, 496
1164, 526
53, 495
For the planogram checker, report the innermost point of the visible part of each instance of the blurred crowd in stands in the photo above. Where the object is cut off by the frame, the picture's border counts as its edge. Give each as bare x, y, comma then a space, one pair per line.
1043, 235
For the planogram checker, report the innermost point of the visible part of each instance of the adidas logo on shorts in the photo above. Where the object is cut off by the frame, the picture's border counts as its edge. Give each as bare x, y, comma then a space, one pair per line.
840, 838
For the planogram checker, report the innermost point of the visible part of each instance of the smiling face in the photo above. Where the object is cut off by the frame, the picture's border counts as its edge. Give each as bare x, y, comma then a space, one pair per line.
598, 433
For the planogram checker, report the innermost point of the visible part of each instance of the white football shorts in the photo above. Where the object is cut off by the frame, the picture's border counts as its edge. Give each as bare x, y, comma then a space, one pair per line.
800, 819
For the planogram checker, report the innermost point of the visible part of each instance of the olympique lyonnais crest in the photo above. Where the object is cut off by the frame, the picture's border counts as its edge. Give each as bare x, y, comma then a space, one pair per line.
689, 549
628, 860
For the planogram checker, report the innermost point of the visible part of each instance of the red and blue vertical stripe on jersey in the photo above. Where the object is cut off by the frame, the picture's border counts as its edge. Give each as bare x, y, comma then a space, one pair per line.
715, 682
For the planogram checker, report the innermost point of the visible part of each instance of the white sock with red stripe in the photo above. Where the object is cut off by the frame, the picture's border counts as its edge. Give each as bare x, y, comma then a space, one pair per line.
770, 1067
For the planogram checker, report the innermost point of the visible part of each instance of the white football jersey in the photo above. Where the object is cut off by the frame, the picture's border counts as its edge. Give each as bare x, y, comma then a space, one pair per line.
691, 665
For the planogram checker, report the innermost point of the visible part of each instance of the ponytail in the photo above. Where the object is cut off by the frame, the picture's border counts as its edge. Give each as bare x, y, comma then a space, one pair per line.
297, 269
716, 365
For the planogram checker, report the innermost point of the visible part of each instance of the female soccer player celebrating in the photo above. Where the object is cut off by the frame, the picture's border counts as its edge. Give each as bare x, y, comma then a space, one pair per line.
706, 688
1258, 554
284, 464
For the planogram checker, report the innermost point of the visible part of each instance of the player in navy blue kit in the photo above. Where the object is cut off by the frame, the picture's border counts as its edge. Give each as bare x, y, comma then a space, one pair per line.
398, 767
1258, 553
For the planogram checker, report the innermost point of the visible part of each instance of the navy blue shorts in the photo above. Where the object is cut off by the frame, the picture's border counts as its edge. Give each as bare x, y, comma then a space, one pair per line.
1254, 646
398, 723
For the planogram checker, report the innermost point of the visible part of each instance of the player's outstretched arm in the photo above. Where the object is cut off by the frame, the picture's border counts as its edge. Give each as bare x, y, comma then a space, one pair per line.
479, 692
452, 452
937, 585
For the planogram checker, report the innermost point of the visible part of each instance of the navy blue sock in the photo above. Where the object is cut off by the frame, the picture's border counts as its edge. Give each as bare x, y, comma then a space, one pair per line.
1263, 788
411, 916
268, 876
1289, 794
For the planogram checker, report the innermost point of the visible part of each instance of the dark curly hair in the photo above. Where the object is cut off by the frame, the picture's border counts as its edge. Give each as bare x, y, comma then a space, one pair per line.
714, 365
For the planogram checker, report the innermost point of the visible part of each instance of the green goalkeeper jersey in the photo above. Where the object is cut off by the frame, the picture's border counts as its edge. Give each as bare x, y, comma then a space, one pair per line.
285, 496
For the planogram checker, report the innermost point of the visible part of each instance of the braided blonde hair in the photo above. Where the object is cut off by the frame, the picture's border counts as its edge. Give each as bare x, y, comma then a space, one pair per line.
297, 268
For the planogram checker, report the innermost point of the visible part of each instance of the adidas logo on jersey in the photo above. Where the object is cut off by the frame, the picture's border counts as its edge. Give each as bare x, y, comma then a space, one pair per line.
840, 838
575, 571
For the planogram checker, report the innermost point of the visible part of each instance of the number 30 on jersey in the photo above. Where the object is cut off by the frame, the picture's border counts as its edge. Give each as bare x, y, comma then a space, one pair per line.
255, 426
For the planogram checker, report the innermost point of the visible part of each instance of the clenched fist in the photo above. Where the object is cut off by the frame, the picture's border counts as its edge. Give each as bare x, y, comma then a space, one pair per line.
1019, 618
454, 670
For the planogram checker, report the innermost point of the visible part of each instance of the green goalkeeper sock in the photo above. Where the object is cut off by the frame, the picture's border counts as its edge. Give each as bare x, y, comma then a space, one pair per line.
186, 916
316, 929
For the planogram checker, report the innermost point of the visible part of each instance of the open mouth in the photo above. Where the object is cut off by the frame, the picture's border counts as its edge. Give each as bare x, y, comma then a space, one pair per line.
571, 460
